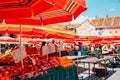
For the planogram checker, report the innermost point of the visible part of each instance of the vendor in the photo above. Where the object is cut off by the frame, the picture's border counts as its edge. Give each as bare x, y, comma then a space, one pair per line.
80, 46
111, 48
105, 49
53, 48
114, 51
41, 48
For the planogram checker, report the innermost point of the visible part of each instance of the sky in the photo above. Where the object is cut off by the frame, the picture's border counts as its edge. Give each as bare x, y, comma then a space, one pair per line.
100, 9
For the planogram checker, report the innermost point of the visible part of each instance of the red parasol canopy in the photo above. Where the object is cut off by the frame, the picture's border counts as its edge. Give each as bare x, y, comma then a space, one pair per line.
34, 41
25, 29
62, 11
36, 32
7, 39
22, 8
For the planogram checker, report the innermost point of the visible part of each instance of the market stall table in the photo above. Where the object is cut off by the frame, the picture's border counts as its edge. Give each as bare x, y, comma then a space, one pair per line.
59, 73
95, 54
116, 55
75, 57
95, 60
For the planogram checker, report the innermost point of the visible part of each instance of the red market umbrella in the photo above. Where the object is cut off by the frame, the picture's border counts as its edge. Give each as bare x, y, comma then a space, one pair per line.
22, 8
29, 40
25, 29
34, 41
37, 32
56, 32
86, 38
63, 11
7, 39
32, 36
51, 33
68, 41
64, 35
3, 29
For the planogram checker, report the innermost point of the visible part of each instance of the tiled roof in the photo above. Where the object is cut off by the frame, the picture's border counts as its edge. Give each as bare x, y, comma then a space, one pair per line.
69, 26
108, 22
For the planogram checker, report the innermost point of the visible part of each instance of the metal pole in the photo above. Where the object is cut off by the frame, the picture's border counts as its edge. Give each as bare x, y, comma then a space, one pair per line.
94, 72
21, 42
105, 70
89, 70
0, 48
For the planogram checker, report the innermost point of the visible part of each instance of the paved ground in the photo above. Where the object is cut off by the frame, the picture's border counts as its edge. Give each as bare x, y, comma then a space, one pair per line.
116, 75
111, 75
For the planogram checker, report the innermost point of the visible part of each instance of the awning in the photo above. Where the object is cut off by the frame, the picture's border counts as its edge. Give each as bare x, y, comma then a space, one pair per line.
62, 11
22, 8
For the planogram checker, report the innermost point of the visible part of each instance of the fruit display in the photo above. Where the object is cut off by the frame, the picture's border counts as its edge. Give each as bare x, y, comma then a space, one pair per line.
17, 72
31, 69
31, 50
6, 60
64, 61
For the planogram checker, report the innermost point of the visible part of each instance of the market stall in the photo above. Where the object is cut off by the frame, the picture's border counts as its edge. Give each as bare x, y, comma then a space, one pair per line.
36, 67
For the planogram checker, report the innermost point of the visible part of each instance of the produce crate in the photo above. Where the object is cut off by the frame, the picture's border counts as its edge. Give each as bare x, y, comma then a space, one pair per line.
71, 53
82, 53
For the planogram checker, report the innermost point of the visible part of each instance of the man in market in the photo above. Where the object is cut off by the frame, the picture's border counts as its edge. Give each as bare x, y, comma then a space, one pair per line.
111, 49
105, 49
53, 48
80, 46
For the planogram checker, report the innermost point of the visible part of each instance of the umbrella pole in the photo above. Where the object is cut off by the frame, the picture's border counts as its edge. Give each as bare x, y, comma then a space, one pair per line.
0, 48
21, 43
59, 53
47, 57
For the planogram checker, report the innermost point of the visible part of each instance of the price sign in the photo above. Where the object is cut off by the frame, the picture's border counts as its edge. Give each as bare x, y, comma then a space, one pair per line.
23, 52
16, 55
44, 50
60, 47
52, 48
19, 54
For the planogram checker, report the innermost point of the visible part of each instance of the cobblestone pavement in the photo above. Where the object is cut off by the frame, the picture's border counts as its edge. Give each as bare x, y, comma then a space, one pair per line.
111, 75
